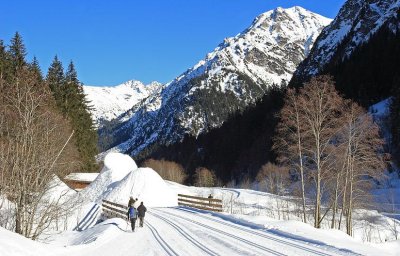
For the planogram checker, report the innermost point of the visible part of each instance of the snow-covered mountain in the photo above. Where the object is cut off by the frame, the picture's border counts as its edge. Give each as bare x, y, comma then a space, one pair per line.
110, 102
236, 74
354, 25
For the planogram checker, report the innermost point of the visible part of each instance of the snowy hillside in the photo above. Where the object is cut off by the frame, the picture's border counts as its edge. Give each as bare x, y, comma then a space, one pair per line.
109, 102
233, 76
253, 223
356, 22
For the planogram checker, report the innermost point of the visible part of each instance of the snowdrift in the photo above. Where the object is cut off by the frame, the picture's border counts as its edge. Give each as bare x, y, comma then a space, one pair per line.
116, 167
58, 191
146, 185
15, 244
121, 178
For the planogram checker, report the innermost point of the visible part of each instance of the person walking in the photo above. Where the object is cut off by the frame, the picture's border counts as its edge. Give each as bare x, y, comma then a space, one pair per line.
132, 216
131, 201
209, 201
141, 212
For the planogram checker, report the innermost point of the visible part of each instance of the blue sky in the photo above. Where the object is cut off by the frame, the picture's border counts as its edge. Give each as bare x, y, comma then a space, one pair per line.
114, 41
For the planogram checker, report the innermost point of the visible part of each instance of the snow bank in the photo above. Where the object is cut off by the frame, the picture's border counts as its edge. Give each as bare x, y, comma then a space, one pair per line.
116, 167
58, 191
13, 244
120, 179
146, 185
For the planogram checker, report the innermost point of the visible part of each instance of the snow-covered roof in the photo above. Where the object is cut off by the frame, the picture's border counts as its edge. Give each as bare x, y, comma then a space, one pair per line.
82, 176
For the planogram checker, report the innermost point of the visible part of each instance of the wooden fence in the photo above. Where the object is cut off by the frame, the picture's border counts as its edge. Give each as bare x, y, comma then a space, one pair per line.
202, 203
114, 210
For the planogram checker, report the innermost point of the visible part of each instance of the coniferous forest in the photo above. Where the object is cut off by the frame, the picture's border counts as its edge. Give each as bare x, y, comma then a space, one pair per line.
62, 95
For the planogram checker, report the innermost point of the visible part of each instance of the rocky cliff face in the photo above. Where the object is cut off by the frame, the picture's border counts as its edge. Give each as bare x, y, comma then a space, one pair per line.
229, 79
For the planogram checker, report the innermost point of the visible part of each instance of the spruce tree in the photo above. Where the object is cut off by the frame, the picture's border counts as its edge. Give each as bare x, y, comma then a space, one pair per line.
70, 90
55, 79
17, 51
76, 108
70, 99
36, 71
5, 63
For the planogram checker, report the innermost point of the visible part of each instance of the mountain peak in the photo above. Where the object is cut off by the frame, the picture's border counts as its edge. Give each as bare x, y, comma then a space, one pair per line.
236, 74
111, 101
355, 23
287, 15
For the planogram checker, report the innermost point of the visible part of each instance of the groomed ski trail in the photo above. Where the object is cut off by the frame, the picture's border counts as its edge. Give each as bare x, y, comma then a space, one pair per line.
204, 234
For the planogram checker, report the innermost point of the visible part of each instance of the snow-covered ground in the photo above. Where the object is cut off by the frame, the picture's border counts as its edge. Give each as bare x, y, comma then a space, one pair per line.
182, 231
253, 223
387, 196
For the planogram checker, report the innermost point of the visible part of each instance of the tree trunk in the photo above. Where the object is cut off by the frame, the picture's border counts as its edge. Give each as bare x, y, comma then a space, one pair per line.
349, 226
343, 211
303, 196
317, 215
335, 202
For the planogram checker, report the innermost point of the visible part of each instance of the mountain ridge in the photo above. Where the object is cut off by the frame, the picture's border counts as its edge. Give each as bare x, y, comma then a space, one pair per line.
230, 78
354, 25
108, 102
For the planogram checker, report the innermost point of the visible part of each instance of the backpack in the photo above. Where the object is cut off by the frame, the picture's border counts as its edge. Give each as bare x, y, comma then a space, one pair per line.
132, 213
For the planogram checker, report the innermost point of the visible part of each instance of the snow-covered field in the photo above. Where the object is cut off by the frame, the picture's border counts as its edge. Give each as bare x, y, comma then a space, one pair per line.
254, 223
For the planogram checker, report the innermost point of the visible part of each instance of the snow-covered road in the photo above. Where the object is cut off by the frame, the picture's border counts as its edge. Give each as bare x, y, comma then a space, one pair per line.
182, 231
194, 233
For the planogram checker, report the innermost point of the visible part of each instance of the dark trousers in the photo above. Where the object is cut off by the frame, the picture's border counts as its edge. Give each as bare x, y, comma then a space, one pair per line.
133, 221
141, 221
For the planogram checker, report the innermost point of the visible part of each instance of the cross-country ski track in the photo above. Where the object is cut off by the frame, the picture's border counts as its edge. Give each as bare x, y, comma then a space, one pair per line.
196, 233
181, 231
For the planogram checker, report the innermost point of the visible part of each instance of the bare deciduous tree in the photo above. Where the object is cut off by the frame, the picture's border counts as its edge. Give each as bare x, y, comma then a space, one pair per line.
331, 142
362, 159
168, 170
273, 178
204, 177
320, 105
289, 142
309, 122
34, 149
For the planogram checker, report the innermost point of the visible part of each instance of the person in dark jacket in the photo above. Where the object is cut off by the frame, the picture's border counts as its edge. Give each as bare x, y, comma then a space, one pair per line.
131, 201
132, 216
209, 201
141, 212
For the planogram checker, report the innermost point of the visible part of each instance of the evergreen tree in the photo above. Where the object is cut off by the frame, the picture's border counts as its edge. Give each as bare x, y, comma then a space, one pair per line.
70, 99
55, 79
17, 51
76, 108
5, 64
36, 71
